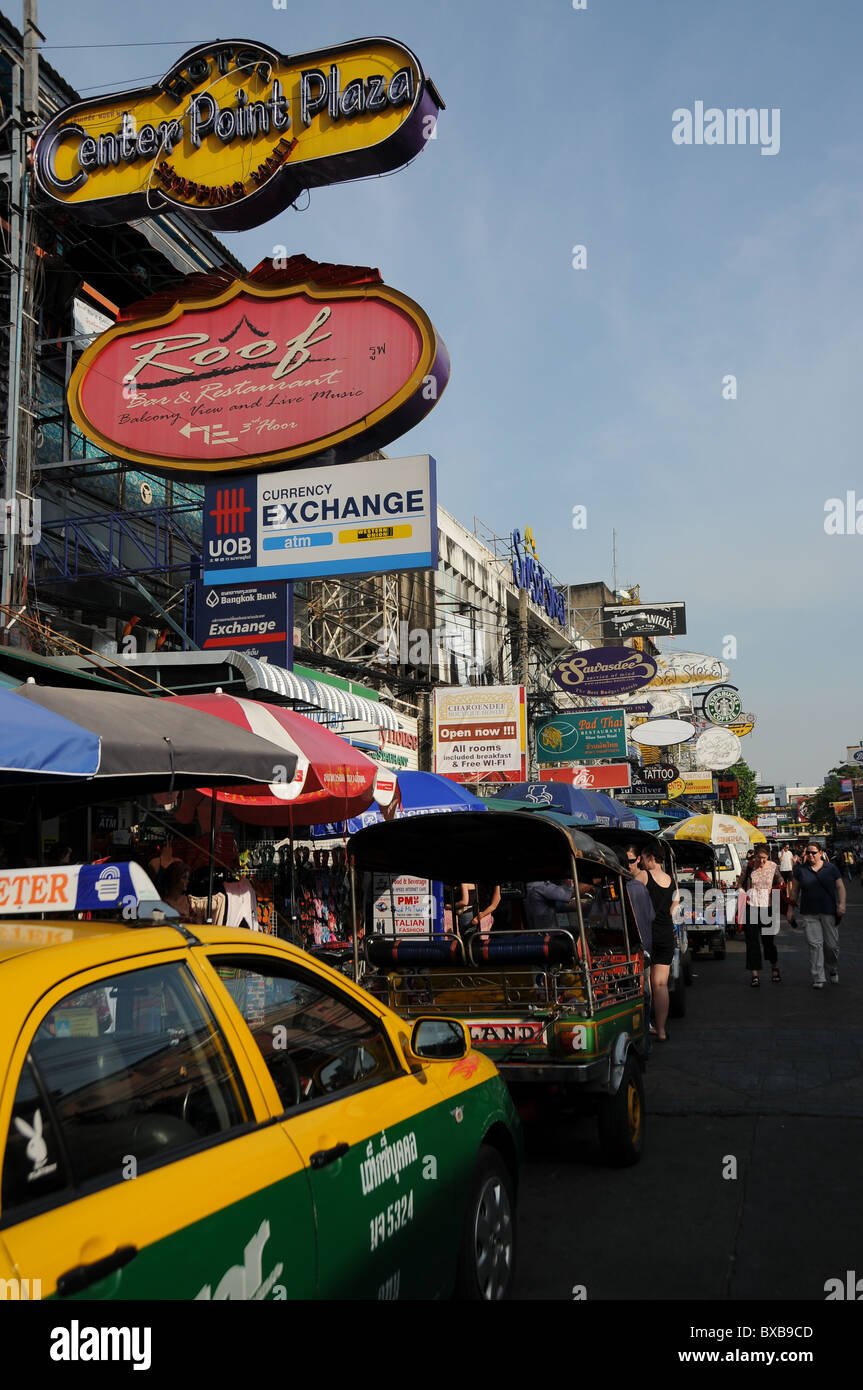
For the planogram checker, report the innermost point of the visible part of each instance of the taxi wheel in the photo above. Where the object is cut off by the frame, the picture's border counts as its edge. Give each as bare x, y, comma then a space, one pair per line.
622, 1119
487, 1257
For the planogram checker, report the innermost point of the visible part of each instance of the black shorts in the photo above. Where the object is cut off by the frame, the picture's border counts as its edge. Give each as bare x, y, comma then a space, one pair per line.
662, 950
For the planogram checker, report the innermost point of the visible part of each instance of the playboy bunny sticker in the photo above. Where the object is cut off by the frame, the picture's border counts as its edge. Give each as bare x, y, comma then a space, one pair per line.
37, 1149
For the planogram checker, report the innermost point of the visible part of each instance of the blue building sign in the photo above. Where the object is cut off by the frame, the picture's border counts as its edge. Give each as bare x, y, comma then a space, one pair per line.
253, 618
529, 574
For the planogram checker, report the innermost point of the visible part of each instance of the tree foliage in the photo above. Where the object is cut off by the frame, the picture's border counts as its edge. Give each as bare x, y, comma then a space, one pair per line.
746, 783
821, 813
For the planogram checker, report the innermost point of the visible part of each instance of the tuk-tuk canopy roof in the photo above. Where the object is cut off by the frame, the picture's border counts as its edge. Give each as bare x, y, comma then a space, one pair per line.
477, 846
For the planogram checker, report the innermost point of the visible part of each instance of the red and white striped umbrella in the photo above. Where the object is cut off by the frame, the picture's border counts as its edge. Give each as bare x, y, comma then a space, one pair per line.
333, 780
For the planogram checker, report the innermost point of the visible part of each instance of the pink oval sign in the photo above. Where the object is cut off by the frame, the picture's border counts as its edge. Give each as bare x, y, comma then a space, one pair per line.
258, 375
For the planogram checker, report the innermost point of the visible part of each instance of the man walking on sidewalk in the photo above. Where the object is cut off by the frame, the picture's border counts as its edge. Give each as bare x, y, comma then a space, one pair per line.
819, 889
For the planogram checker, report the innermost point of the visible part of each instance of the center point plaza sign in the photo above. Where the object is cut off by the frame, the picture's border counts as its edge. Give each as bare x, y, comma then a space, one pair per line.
235, 131
352, 518
218, 375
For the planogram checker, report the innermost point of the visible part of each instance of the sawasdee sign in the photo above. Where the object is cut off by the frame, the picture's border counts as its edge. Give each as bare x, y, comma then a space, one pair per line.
353, 518
604, 671
235, 131
223, 376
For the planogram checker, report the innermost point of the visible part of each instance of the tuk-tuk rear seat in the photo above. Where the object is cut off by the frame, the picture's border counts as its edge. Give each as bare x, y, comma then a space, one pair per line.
388, 953
523, 948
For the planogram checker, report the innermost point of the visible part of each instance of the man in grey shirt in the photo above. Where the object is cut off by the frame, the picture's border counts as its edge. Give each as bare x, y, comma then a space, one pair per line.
543, 897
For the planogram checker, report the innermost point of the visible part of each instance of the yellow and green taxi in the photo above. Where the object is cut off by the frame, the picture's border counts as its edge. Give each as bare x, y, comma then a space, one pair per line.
209, 1113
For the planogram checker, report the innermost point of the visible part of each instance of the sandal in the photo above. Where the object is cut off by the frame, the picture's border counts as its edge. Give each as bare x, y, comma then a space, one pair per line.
754, 982
776, 977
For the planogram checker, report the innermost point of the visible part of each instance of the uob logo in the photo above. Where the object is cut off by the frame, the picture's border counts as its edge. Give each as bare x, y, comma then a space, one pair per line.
230, 513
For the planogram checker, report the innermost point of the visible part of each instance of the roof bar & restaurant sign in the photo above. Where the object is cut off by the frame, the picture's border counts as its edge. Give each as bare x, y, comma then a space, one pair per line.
218, 376
235, 131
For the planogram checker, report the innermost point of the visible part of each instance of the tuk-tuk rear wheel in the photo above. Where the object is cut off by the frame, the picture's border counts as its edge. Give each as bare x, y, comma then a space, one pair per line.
622, 1119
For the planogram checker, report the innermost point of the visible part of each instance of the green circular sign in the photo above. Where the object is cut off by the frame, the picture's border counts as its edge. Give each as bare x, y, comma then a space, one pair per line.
722, 705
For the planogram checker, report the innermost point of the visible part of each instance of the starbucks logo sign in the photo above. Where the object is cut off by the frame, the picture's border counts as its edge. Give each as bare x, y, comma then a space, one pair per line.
722, 705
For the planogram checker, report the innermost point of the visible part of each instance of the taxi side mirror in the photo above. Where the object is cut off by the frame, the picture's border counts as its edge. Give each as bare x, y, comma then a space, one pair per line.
440, 1039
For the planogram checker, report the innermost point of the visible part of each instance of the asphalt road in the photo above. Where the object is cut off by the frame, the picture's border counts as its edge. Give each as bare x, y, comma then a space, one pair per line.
751, 1185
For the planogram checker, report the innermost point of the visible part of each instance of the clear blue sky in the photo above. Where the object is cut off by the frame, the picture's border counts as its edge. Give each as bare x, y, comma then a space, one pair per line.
602, 387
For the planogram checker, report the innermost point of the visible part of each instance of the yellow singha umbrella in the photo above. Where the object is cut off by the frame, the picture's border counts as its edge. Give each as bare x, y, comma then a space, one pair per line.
718, 830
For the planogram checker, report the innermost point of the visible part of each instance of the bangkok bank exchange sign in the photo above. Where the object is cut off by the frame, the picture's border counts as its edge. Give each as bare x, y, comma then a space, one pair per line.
604, 671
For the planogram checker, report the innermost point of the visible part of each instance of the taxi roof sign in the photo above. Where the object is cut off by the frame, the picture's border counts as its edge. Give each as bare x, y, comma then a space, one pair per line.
79, 888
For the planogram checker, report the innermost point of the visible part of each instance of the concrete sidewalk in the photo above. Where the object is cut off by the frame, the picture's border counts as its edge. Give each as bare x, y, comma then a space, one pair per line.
781, 1049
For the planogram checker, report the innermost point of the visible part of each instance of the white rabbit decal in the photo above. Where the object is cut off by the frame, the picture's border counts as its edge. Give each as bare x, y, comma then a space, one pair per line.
37, 1149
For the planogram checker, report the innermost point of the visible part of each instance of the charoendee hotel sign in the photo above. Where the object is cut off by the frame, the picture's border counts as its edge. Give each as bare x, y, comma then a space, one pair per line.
260, 371
235, 132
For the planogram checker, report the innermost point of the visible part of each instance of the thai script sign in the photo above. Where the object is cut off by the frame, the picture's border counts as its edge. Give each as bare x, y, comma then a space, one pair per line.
235, 131
597, 778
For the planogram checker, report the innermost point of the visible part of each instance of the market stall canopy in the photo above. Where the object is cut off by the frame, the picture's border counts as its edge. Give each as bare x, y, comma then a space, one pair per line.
236, 673
588, 807
716, 830
478, 847
147, 746
419, 794
38, 744
329, 778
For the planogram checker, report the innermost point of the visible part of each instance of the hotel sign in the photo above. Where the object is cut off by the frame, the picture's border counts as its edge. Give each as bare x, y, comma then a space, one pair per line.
228, 376
235, 131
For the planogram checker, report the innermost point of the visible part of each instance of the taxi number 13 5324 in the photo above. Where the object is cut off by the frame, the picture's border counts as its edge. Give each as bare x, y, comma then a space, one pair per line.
391, 1219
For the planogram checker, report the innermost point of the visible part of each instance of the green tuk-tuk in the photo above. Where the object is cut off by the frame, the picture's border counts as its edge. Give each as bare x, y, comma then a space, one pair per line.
557, 998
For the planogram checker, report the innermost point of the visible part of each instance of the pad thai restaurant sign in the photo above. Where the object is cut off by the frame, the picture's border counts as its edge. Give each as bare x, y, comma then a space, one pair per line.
566, 738
479, 733
235, 131
228, 376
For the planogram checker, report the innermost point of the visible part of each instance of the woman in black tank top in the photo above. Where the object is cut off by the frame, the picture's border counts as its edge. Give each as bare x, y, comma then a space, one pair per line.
660, 886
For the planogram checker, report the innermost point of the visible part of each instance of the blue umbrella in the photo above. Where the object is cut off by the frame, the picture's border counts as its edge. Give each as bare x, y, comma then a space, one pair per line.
421, 793
587, 807
36, 743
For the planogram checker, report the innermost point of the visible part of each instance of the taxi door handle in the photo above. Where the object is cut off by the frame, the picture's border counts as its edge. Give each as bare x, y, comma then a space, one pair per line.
82, 1276
323, 1157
